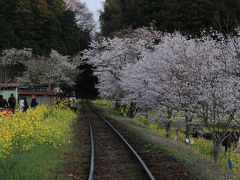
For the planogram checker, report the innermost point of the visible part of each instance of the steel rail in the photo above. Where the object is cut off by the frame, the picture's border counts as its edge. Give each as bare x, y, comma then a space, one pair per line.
128, 145
91, 170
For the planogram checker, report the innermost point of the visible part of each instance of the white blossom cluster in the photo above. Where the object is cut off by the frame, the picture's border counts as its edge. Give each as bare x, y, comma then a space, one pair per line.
195, 77
111, 57
54, 69
15, 56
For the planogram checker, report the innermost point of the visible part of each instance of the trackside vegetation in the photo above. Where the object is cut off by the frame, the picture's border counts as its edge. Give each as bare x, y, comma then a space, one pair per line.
32, 144
197, 156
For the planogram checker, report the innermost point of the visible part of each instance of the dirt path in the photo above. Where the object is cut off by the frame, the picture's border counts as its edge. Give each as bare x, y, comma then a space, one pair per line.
76, 164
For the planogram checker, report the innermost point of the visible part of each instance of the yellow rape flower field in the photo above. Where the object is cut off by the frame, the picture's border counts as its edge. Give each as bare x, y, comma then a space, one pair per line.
44, 125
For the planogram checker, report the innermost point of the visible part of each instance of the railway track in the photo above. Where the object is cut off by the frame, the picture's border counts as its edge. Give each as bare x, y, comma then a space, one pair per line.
112, 157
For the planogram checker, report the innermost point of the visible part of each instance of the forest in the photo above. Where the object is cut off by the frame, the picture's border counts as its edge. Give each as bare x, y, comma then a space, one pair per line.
187, 16
41, 25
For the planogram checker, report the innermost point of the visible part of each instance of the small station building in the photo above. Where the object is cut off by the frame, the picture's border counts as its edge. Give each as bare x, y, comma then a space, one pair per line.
42, 95
6, 89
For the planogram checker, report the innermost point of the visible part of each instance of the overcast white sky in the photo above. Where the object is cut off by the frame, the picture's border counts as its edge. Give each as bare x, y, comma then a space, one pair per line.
94, 6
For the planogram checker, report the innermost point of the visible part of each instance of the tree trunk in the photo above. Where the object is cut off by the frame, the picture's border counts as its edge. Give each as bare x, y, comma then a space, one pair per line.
5, 73
146, 122
168, 124
123, 110
188, 127
216, 149
117, 105
49, 79
168, 128
177, 134
49, 86
132, 110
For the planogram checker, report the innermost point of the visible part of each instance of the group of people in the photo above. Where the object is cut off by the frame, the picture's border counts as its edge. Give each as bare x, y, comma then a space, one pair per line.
11, 103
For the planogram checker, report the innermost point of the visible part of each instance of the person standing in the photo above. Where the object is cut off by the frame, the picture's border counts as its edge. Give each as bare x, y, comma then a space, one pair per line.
34, 102
21, 105
3, 102
26, 106
12, 103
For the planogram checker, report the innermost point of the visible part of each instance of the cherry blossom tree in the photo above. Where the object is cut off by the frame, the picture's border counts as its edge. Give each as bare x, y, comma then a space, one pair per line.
160, 80
219, 88
12, 57
55, 69
110, 56
194, 78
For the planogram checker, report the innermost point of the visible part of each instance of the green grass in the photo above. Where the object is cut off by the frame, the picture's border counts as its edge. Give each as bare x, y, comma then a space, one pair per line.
39, 163
197, 163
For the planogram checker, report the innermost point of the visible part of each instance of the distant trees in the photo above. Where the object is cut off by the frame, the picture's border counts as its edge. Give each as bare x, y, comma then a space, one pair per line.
187, 16
12, 59
83, 17
55, 69
7, 33
41, 25
85, 81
